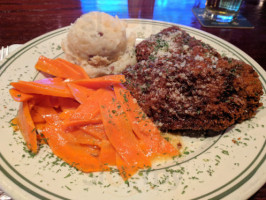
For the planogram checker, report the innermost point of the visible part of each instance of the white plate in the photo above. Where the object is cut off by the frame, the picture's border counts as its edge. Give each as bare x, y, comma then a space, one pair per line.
215, 167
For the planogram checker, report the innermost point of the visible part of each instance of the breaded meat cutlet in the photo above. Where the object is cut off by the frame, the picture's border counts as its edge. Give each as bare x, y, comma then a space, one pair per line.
184, 84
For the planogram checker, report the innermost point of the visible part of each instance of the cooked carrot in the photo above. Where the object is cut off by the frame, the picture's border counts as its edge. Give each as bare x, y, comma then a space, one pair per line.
119, 131
76, 67
27, 127
40, 126
107, 154
49, 81
81, 137
96, 130
68, 124
134, 113
19, 96
67, 104
58, 68
48, 114
48, 86
45, 100
65, 115
85, 122
101, 82
14, 124
86, 113
36, 117
143, 127
40, 137
31, 103
79, 156
80, 93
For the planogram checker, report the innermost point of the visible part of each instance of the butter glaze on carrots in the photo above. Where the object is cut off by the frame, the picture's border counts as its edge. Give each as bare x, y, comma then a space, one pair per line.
91, 124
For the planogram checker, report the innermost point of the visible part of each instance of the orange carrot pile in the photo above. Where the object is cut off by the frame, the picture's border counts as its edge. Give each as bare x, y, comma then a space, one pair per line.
91, 124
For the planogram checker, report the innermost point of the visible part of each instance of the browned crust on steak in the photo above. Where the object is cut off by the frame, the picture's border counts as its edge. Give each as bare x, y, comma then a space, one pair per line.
184, 84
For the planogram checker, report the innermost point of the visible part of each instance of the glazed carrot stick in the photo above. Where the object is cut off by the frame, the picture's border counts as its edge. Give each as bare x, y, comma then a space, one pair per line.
81, 137
58, 68
67, 104
40, 126
80, 93
96, 130
48, 114
80, 156
19, 96
107, 153
48, 86
86, 113
27, 126
49, 81
101, 82
76, 67
45, 100
135, 115
14, 124
51, 67
36, 117
65, 115
143, 127
68, 124
31, 103
119, 131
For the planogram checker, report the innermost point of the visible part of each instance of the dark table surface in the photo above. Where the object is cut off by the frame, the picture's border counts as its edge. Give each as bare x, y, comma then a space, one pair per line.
23, 20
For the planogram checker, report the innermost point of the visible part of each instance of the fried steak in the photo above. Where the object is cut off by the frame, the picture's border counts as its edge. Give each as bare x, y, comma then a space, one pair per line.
184, 84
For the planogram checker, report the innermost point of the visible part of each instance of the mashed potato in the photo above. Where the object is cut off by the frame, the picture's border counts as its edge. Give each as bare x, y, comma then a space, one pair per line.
99, 43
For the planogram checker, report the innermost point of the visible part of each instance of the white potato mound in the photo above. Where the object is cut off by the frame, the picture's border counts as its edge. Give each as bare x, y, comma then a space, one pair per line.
98, 42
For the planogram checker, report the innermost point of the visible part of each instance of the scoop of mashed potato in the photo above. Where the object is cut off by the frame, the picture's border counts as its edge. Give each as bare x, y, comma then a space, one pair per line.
99, 43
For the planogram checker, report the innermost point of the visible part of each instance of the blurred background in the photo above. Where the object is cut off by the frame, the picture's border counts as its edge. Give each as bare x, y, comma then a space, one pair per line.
46, 15
23, 20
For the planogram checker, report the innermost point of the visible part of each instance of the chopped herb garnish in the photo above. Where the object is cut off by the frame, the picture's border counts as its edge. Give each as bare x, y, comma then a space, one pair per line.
67, 175
225, 152
126, 182
125, 98
136, 188
140, 173
148, 170
67, 187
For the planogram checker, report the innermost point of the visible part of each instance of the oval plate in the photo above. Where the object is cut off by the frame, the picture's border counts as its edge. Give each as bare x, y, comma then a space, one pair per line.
230, 166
